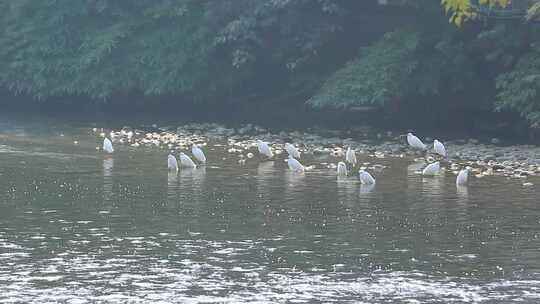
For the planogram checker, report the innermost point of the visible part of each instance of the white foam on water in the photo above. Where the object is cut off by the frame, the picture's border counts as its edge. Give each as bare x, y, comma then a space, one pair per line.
166, 284
225, 272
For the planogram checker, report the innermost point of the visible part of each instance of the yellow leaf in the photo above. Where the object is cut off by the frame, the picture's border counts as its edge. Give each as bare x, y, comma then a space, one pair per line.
458, 20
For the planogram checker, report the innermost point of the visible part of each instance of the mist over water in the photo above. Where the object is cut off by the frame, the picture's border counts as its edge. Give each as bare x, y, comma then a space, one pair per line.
77, 226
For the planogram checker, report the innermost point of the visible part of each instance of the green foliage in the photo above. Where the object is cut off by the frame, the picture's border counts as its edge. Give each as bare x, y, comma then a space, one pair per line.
99, 48
187, 48
519, 89
379, 74
461, 10
404, 64
491, 65
335, 53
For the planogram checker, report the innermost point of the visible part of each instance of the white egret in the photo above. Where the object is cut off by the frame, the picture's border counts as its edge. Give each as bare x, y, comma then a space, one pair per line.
295, 165
198, 153
415, 142
366, 178
341, 169
350, 156
439, 148
292, 150
107, 146
264, 149
186, 161
432, 169
172, 163
463, 176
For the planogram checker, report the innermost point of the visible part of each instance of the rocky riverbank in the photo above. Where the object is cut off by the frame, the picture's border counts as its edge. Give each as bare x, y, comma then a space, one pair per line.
327, 147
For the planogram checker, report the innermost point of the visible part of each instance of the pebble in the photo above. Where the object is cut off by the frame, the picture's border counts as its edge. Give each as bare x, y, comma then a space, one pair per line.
519, 161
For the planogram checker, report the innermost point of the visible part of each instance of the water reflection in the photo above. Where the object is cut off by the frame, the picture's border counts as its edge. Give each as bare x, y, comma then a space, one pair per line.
199, 178
191, 182
414, 179
462, 204
366, 189
295, 186
265, 175
462, 193
294, 181
108, 164
172, 187
432, 186
415, 168
347, 188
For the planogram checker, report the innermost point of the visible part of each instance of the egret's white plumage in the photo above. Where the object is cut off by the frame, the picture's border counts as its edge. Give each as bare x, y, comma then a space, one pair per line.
107, 146
295, 165
172, 163
415, 142
264, 149
439, 148
186, 161
432, 169
366, 178
341, 169
462, 177
198, 153
292, 150
350, 156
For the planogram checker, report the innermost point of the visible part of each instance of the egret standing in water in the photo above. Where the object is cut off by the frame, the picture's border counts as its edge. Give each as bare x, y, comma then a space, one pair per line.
439, 148
292, 150
172, 163
295, 165
198, 153
463, 176
264, 149
366, 178
350, 156
186, 161
415, 142
341, 169
432, 169
107, 145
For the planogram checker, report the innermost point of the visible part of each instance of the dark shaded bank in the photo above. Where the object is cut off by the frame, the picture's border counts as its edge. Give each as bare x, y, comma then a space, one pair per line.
290, 113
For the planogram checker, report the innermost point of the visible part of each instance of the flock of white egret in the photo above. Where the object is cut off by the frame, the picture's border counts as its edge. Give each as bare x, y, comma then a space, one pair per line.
185, 160
435, 167
294, 164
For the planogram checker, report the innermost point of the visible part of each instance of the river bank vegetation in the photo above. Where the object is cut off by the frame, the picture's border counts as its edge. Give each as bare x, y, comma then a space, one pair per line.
399, 57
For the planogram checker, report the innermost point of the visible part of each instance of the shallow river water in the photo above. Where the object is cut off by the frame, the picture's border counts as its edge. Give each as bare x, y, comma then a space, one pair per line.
79, 227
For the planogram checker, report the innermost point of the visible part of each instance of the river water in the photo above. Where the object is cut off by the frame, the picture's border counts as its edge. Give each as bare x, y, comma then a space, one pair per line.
79, 227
